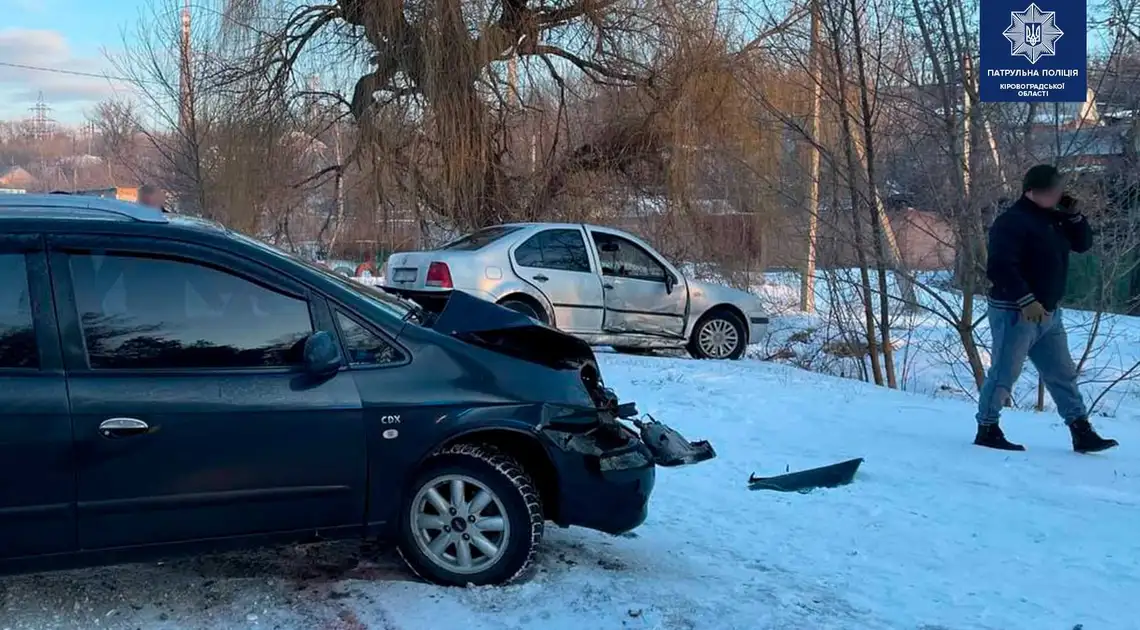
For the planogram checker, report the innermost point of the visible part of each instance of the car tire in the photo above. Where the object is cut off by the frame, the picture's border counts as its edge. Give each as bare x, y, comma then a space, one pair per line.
713, 337
511, 511
519, 306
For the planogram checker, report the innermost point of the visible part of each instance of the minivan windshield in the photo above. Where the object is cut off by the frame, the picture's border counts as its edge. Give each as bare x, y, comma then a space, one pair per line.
480, 238
395, 306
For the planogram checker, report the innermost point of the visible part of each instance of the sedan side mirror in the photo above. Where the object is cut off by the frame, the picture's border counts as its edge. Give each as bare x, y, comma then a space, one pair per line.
669, 282
322, 354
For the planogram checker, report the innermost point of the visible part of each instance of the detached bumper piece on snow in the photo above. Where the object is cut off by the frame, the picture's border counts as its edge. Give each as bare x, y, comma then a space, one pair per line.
830, 476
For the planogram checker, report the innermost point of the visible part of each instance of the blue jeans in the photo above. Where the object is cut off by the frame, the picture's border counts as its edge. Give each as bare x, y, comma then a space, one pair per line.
1047, 346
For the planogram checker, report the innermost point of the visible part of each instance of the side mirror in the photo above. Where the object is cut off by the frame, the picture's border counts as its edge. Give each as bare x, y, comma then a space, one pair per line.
322, 354
669, 282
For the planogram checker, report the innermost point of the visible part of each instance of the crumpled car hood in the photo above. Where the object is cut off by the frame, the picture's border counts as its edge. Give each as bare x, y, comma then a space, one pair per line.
464, 313
493, 327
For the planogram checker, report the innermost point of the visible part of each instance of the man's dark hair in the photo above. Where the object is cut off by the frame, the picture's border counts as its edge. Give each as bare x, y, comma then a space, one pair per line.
147, 189
1041, 177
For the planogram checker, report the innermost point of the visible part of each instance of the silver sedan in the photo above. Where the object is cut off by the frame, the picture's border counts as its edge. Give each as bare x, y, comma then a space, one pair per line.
603, 285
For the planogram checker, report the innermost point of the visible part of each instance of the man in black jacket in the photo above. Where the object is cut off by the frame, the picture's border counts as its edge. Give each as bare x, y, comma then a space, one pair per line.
1028, 264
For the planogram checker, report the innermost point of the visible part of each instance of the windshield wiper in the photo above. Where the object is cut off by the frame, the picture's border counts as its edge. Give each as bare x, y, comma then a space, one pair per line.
416, 313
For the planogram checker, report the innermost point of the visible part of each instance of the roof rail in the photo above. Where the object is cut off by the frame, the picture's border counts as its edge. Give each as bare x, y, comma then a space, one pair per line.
65, 202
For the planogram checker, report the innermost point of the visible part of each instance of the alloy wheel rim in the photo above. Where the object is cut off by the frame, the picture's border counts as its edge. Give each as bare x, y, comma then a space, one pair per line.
718, 338
460, 524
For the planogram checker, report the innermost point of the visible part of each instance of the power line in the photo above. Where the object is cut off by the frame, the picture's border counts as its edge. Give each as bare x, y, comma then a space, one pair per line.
68, 72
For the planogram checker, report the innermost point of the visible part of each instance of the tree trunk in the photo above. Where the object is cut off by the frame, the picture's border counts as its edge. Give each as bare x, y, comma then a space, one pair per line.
853, 180
807, 282
470, 170
879, 223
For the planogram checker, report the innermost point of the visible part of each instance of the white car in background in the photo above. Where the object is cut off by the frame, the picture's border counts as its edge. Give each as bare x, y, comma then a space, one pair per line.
603, 285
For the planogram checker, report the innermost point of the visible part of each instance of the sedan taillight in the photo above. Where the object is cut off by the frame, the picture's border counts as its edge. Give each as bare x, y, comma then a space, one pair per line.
439, 275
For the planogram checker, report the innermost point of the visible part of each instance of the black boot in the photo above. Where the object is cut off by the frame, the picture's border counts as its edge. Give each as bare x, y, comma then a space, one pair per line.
990, 436
1086, 440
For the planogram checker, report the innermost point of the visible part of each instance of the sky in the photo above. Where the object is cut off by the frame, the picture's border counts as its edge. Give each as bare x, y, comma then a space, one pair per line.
75, 35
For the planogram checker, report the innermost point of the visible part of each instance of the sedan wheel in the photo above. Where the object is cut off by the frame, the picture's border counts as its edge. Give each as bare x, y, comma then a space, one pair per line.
472, 517
519, 306
719, 336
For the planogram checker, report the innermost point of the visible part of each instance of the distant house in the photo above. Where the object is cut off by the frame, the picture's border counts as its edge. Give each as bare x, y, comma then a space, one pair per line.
119, 192
16, 177
81, 161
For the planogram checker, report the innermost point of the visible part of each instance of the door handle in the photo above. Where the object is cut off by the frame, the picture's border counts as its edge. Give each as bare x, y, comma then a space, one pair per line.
122, 427
607, 286
541, 278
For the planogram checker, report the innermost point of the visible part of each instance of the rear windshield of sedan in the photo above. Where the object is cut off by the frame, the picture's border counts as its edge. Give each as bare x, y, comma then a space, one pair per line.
480, 239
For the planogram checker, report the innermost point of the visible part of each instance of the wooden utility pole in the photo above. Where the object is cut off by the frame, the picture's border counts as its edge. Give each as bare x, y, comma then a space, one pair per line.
185, 84
807, 282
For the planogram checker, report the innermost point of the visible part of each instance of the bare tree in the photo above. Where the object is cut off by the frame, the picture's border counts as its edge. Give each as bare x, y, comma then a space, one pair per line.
117, 128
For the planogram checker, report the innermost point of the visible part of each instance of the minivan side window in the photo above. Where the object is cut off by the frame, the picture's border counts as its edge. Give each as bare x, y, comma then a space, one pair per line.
364, 346
142, 312
17, 327
561, 248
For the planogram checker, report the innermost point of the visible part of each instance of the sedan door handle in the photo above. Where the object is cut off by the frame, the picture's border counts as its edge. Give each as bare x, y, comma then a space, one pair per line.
541, 278
122, 427
607, 286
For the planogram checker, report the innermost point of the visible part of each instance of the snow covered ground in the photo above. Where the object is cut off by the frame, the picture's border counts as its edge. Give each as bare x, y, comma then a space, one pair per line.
935, 534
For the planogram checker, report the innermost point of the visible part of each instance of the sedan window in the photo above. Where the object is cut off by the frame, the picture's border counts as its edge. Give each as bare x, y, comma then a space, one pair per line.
561, 249
480, 239
623, 258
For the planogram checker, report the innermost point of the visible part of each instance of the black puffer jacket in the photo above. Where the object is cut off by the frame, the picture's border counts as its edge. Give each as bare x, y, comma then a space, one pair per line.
1029, 254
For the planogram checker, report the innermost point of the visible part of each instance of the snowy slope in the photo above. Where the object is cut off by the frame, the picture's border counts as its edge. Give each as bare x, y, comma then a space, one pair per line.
928, 351
935, 534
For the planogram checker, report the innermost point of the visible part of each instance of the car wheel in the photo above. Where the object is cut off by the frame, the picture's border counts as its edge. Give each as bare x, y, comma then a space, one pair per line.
719, 335
471, 516
519, 306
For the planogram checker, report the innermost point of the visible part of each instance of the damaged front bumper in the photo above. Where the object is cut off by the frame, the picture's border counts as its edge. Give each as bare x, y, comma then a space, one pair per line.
617, 462
618, 445
666, 445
